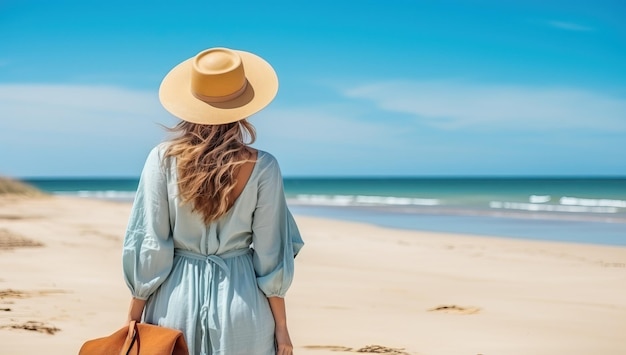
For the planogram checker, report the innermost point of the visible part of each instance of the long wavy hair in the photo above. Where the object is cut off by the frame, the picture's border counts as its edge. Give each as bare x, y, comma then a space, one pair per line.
207, 160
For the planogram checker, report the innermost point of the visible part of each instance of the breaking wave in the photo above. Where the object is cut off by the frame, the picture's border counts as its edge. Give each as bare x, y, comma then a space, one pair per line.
105, 194
538, 203
361, 200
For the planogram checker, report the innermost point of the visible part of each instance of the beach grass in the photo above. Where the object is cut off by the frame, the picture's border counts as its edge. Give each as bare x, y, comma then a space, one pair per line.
10, 186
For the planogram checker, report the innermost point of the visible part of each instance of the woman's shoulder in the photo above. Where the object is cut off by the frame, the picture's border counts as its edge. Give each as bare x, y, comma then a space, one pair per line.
158, 151
161, 148
267, 163
156, 155
266, 158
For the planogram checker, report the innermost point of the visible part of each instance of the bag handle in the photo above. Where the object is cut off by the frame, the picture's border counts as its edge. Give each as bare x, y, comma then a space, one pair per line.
131, 338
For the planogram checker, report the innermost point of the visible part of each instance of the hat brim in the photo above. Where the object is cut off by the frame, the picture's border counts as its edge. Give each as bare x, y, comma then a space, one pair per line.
176, 96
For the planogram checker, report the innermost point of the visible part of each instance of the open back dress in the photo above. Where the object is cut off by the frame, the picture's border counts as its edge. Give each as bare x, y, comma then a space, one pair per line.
211, 281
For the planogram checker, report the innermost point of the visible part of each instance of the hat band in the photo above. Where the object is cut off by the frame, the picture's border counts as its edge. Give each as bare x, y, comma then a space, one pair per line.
211, 99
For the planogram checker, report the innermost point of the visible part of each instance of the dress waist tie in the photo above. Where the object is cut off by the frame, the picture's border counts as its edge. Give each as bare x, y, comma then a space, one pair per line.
212, 335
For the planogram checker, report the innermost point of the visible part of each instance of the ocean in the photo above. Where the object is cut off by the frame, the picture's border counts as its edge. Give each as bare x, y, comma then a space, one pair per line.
583, 210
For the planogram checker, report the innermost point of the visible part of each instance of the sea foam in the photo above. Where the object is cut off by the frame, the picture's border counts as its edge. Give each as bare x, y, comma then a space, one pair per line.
361, 200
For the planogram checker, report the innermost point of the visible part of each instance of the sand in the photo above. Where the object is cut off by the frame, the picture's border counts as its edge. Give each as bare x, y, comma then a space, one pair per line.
358, 287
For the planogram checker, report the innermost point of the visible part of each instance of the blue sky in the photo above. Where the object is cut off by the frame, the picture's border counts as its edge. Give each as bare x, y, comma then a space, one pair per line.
408, 88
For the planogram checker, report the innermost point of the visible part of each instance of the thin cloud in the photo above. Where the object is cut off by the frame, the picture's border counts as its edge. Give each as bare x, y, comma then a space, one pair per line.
325, 125
569, 26
74, 109
85, 129
456, 105
77, 98
333, 139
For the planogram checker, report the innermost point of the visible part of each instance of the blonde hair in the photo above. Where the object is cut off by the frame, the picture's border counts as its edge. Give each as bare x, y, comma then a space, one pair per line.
207, 160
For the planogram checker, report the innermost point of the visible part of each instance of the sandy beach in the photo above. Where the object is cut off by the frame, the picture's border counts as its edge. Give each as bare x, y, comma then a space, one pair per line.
358, 287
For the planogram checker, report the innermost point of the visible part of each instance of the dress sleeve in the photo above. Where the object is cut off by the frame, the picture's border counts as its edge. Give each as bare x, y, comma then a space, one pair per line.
148, 245
275, 236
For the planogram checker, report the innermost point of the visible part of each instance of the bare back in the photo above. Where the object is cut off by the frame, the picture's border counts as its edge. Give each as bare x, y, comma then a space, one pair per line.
243, 175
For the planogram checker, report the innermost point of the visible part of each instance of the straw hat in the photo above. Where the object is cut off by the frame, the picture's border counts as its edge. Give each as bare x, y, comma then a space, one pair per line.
218, 86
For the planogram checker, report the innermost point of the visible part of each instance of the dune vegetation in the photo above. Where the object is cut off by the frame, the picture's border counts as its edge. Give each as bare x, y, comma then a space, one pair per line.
10, 186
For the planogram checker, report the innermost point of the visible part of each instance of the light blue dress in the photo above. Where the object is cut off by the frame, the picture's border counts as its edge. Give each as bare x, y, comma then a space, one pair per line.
211, 281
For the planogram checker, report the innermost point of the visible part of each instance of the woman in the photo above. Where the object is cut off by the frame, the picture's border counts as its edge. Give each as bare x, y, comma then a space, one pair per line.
210, 244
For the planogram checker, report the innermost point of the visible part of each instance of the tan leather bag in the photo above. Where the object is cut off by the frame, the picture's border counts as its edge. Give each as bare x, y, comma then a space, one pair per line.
138, 339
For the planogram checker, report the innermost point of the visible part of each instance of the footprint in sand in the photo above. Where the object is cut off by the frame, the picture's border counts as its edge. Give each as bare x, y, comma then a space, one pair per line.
33, 326
9, 240
328, 347
378, 349
381, 350
6, 296
10, 293
454, 309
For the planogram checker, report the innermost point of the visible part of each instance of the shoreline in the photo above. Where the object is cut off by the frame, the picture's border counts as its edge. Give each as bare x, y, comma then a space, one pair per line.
356, 285
555, 226
479, 212
495, 225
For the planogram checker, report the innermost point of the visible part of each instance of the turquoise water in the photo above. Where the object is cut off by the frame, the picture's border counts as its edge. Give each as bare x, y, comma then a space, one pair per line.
107, 188
601, 197
588, 210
